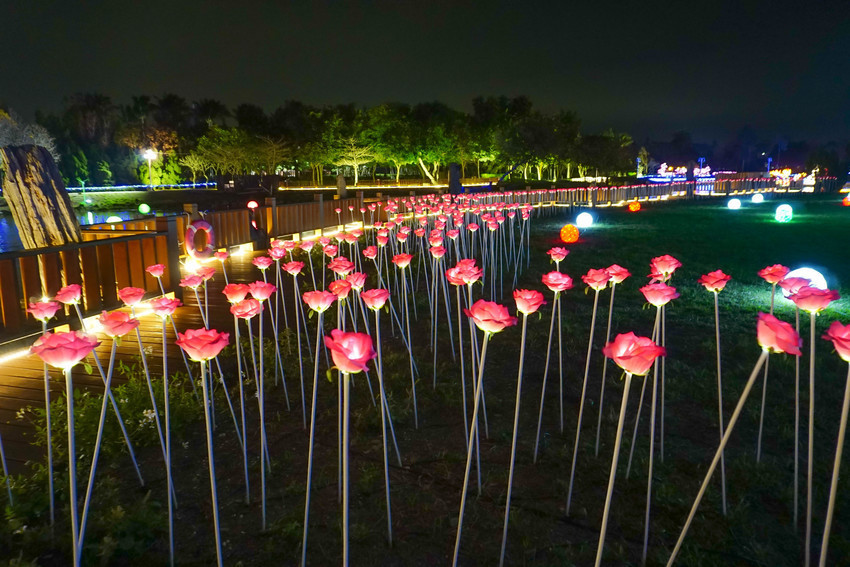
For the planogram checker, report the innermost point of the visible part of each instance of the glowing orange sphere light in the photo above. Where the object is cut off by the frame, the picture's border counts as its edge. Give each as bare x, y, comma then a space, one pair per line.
634, 206
846, 201
569, 234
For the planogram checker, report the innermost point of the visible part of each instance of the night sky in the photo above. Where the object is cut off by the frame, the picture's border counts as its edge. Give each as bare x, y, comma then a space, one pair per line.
649, 69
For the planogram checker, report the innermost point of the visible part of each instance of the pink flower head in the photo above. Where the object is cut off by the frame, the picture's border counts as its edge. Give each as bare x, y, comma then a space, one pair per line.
528, 301
356, 279
117, 323
350, 351
453, 233
221, 255
341, 266
472, 227
156, 270
401, 236
318, 301
330, 250
715, 281
192, 281
293, 268
43, 310
618, 273
202, 344
64, 350
664, 266
840, 336
659, 294
777, 336
307, 245
596, 279
468, 271
402, 260
262, 262
490, 317
69, 295
323, 241
246, 308
165, 306
420, 232
382, 240
375, 298
793, 285
340, 288
558, 253
277, 253
370, 252
131, 295
557, 282
235, 292
812, 299
206, 272
435, 241
261, 291
437, 252
632, 353
774, 274
289, 245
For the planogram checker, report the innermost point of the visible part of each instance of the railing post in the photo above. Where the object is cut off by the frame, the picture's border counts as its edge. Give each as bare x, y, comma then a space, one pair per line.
169, 226
271, 203
320, 199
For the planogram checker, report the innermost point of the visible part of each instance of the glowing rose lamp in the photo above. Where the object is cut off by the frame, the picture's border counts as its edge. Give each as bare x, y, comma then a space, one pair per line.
784, 213
734, 204
815, 278
569, 234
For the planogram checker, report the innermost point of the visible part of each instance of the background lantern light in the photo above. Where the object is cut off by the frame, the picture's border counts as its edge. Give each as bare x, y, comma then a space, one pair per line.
784, 213
734, 204
113, 219
757, 198
634, 206
144, 208
815, 277
252, 205
584, 220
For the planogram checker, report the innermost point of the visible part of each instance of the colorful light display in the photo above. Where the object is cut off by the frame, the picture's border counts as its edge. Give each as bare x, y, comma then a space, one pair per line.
734, 204
584, 220
634, 206
569, 234
784, 213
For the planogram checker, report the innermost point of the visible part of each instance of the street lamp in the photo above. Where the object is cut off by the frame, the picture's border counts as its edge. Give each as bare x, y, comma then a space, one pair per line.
150, 155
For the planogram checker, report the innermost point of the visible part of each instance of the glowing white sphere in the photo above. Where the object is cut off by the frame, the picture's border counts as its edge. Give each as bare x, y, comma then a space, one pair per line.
757, 198
815, 277
584, 220
734, 204
784, 213
114, 219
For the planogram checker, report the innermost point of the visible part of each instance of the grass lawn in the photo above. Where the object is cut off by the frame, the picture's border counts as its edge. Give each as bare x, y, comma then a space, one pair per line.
758, 529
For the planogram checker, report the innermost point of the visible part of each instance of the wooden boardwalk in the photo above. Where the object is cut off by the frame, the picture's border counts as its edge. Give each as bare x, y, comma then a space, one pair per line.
22, 378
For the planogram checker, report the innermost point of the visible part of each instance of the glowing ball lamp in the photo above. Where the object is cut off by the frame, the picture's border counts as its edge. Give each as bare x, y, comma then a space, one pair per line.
114, 219
634, 206
252, 205
757, 198
815, 277
734, 204
846, 201
784, 213
144, 208
584, 220
569, 234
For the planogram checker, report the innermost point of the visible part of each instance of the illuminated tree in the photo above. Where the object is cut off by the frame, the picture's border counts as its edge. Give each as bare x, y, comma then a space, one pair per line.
196, 164
355, 155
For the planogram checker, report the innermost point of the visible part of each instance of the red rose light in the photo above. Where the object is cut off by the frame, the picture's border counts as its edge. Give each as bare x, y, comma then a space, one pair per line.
293, 268
840, 336
117, 323
659, 294
156, 270
777, 336
714, 281
206, 273
340, 288
375, 299
318, 301
793, 285
69, 294
261, 291
246, 308
235, 292
490, 317
632, 353
402, 260
356, 279
812, 299
528, 301
165, 306
340, 266
774, 274
618, 273
664, 266
192, 281
262, 262
330, 250
558, 253
556, 281
596, 279
370, 252
64, 350
569, 234
202, 344
221, 255
131, 295
350, 351
43, 310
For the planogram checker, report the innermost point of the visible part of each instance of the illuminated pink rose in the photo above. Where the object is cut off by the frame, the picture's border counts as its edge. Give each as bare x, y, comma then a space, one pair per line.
221, 255
202, 344
382, 240
340, 288
632, 353
356, 279
206, 272
715, 281
659, 294
43, 310
293, 268
307, 245
277, 253
289, 245
453, 233
117, 323
472, 227
468, 271
246, 308
69, 294
840, 336
777, 336
664, 266
261, 291
64, 350
165, 306
618, 273
341, 266
774, 274
402, 260
435, 241
330, 250
557, 282
490, 317
156, 270
596, 279
401, 237
558, 253
437, 252
370, 252
528, 301
192, 281
262, 262
454, 276
350, 351
235, 292
812, 299
793, 285
420, 232
131, 295
323, 241
375, 298
318, 301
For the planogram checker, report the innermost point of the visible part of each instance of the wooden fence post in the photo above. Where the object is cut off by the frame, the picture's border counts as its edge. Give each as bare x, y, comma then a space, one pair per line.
271, 203
169, 226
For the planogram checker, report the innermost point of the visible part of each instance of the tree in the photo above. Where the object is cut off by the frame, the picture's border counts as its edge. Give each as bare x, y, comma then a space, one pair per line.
172, 112
252, 119
93, 118
355, 155
209, 110
196, 164
388, 132
431, 139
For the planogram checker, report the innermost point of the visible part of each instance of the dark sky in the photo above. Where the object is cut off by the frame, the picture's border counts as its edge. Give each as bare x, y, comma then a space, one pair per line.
647, 68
